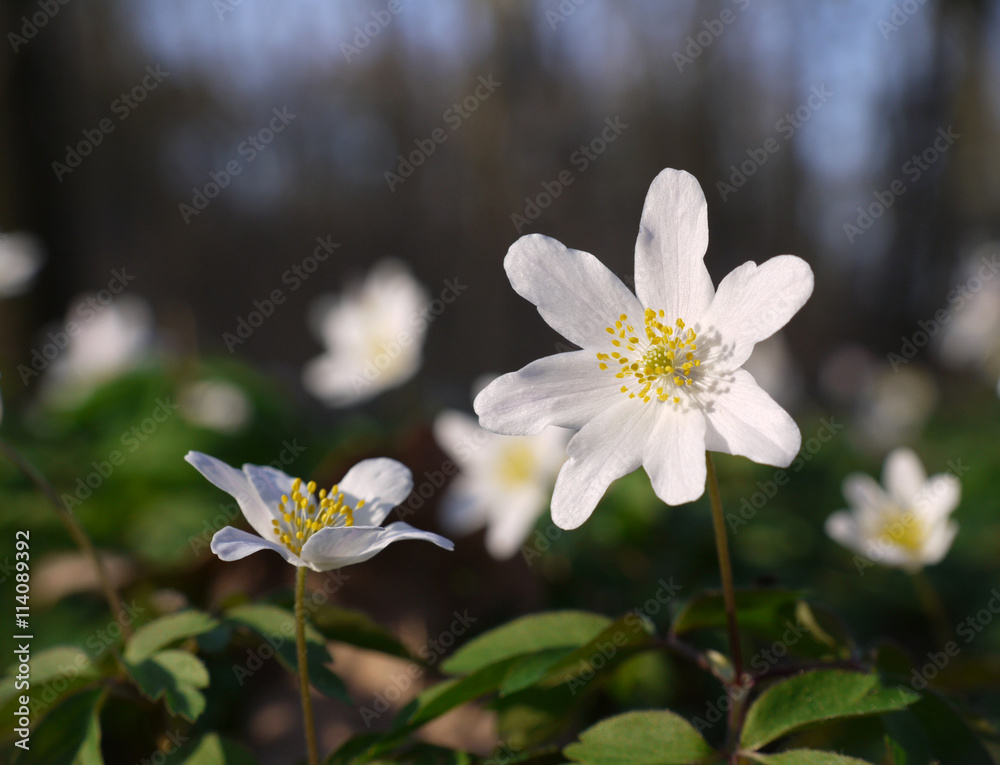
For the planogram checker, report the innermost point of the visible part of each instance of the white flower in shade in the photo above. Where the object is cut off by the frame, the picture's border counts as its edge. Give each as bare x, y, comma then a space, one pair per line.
21, 255
320, 530
215, 404
906, 524
104, 340
374, 336
658, 380
505, 481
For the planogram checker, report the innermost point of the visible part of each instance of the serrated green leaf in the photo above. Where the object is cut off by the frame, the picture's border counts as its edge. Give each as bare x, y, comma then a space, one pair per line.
814, 697
756, 610
69, 735
358, 629
529, 634
161, 632
277, 627
211, 749
809, 757
640, 738
447, 695
176, 676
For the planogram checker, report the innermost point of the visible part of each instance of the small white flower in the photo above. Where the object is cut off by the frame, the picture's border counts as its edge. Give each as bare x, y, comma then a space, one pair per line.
21, 255
215, 404
374, 336
321, 531
907, 524
505, 481
658, 380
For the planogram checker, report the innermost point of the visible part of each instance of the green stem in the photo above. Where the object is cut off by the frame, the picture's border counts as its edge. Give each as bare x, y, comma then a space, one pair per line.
75, 530
932, 605
725, 569
300, 639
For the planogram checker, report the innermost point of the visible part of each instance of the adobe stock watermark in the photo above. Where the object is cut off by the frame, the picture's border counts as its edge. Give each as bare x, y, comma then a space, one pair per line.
956, 299
248, 150
565, 9
786, 127
31, 24
453, 117
389, 351
911, 171
581, 159
121, 107
706, 37
372, 28
901, 13
769, 489
84, 313
431, 652
294, 278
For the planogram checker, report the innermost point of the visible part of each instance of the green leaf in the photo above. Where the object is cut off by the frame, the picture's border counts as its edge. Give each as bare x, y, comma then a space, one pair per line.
950, 737
277, 627
528, 670
356, 628
816, 696
161, 632
809, 757
756, 610
640, 738
64, 661
176, 676
905, 740
618, 641
529, 634
447, 695
211, 749
70, 734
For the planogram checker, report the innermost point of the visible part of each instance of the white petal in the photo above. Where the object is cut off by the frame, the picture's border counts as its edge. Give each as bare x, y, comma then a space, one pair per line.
232, 544
332, 548
236, 483
509, 528
464, 508
567, 389
675, 455
382, 483
939, 543
744, 420
339, 380
575, 293
903, 476
843, 528
939, 496
863, 492
753, 302
459, 436
609, 446
670, 268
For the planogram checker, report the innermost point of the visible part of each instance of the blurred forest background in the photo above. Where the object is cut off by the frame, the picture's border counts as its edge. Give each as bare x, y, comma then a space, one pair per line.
798, 118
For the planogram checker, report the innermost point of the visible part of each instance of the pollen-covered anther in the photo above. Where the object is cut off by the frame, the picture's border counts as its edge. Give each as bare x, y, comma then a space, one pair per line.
660, 362
302, 515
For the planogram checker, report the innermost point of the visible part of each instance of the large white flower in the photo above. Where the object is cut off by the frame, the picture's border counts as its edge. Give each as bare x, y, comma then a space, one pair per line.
21, 255
374, 336
505, 480
658, 380
906, 524
321, 531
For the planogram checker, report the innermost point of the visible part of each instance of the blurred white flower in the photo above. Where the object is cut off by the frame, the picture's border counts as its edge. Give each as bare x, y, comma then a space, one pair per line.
21, 255
894, 407
216, 405
505, 481
659, 380
321, 531
102, 341
374, 336
971, 336
907, 524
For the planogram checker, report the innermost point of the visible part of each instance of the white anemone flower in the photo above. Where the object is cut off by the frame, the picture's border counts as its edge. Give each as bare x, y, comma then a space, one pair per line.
907, 524
374, 336
505, 481
21, 255
319, 530
215, 404
658, 380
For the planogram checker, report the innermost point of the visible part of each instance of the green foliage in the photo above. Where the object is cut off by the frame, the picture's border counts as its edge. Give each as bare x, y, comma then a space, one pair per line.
355, 628
808, 757
69, 735
161, 632
177, 677
640, 738
210, 749
814, 697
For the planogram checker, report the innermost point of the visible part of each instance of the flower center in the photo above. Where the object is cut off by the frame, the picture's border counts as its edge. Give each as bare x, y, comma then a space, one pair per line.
517, 464
299, 518
903, 529
659, 364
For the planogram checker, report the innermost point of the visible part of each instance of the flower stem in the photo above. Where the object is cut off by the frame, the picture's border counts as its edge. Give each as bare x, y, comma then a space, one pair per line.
932, 605
725, 569
75, 530
300, 639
